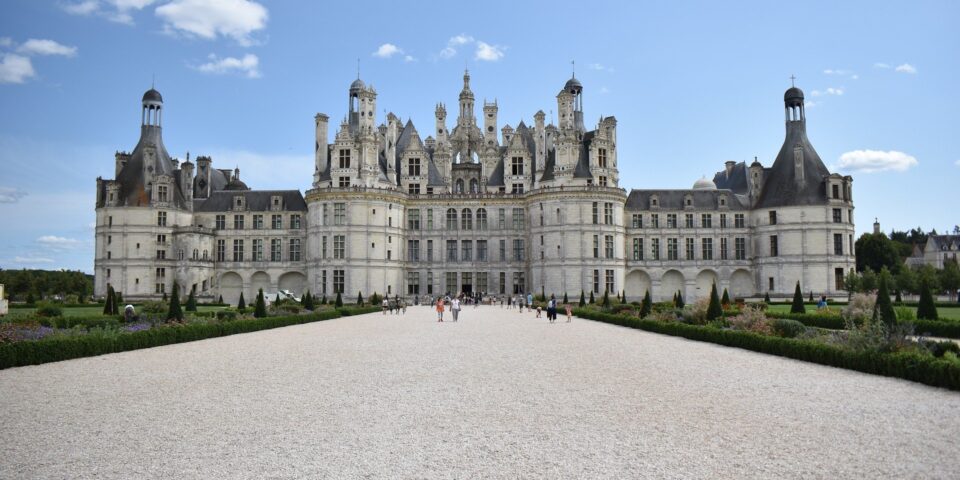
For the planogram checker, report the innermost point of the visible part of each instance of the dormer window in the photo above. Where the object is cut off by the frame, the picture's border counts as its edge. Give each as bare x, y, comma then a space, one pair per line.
602, 158
238, 202
162, 193
276, 203
413, 167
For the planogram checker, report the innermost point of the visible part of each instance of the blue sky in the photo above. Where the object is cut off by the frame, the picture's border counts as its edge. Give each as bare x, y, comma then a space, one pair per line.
692, 84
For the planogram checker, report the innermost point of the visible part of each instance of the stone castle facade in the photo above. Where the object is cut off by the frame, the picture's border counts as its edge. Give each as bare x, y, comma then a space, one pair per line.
534, 208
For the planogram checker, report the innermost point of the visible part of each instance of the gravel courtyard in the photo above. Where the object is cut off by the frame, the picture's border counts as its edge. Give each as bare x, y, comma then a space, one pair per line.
496, 395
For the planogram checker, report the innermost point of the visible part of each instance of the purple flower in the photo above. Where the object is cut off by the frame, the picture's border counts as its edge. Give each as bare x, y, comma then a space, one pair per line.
136, 327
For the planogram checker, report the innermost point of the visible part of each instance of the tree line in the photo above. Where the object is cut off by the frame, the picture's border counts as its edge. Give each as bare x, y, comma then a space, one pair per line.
40, 284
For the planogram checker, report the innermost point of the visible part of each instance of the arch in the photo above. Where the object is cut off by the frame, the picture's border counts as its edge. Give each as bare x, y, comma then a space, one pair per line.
705, 281
458, 188
636, 285
466, 219
260, 280
481, 219
474, 185
230, 287
741, 284
295, 282
671, 282
451, 219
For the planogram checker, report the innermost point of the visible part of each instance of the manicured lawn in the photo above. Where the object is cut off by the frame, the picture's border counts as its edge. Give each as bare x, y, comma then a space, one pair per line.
946, 313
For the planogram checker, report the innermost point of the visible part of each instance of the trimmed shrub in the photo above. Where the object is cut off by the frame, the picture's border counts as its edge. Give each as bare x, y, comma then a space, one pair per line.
646, 307
339, 302
725, 299
174, 312
226, 315
153, 306
241, 304
583, 300
680, 303
714, 310
883, 310
786, 327
47, 310
565, 300
926, 309
766, 298
819, 320
592, 301
260, 311
192, 302
359, 299
797, 306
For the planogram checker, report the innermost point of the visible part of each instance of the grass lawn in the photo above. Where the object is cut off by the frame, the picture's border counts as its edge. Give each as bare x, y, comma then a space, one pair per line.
946, 313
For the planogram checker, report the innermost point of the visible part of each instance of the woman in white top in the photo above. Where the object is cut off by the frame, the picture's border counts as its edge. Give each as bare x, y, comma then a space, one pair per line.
455, 308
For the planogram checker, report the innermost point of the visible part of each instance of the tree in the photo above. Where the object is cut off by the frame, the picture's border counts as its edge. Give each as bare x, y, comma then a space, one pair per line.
646, 306
875, 250
220, 300
928, 274
592, 301
950, 276
926, 309
674, 299
680, 303
868, 280
276, 300
109, 305
810, 298
192, 301
260, 310
242, 304
174, 312
907, 280
30, 300
852, 283
606, 299
118, 302
714, 310
323, 301
883, 309
797, 306
583, 300
307, 301
360, 298
565, 300
165, 297
725, 299
339, 302
766, 298
899, 299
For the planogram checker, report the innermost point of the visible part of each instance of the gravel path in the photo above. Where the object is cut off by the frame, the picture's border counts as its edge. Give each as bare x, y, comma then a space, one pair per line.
496, 395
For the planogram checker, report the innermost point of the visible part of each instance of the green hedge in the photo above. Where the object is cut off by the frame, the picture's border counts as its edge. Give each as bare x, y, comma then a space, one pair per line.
833, 322
909, 366
66, 348
933, 328
936, 328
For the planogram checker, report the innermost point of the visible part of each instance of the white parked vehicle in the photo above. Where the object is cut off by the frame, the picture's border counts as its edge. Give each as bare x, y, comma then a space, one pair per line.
269, 298
3, 301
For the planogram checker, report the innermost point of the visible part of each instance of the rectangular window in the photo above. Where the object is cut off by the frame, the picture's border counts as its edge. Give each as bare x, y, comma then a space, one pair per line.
740, 247
518, 249
773, 217
637, 221
706, 247
774, 248
482, 250
429, 219
655, 220
258, 222
452, 288
596, 213
503, 250
608, 284
706, 220
344, 158
238, 222
413, 283
723, 248
516, 166
413, 219
413, 188
602, 157
671, 220
451, 250
429, 250
161, 273
276, 222
608, 246
481, 219
837, 215
607, 213
430, 283
161, 239
502, 219
161, 219
295, 221
690, 248
413, 168
339, 244
323, 247
338, 281
738, 221
481, 285
688, 220
517, 188
323, 282
836, 191
466, 280
770, 283
275, 250
723, 220
503, 283
162, 193
220, 222
596, 281
257, 251
339, 214
519, 283
596, 246
237, 250
467, 249
837, 244
413, 250
838, 279
518, 222
294, 250
850, 216
655, 248
221, 250
638, 249
602, 181
325, 214
672, 253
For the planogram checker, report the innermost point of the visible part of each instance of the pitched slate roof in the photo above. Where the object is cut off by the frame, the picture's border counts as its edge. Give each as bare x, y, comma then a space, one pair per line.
780, 187
674, 199
255, 200
133, 188
736, 181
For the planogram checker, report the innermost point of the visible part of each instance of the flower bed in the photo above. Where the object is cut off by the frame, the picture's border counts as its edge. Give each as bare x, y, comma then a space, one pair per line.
909, 365
98, 341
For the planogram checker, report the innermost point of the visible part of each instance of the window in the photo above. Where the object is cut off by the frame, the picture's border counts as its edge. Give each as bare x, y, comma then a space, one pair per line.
429, 219
850, 216
655, 220
451, 250
466, 219
344, 158
109, 239
608, 246
162, 193
516, 166
467, 250
838, 278
180, 254
276, 222
774, 248
110, 221
474, 186
688, 220
343, 182
596, 213
837, 244
517, 188
161, 254
238, 222
607, 213
160, 288
108, 273
482, 250
413, 219
518, 222
690, 248
596, 246
458, 186
738, 220
413, 168
518, 249
837, 215
339, 213
481, 219
258, 222
257, 251
323, 247
295, 221
237, 250
519, 284
503, 250
723, 248
672, 249
706, 245
502, 219
338, 281
452, 283
413, 188
413, 283
671, 220
161, 273
294, 250
339, 243
220, 222
723, 220
481, 282
503, 283
706, 220
638, 249
609, 281
773, 217
221, 250
740, 247
655, 248
596, 281
836, 191
430, 282
161, 239
637, 220
602, 181
770, 283
429, 250
161, 219
323, 282
602, 158
559, 218
276, 253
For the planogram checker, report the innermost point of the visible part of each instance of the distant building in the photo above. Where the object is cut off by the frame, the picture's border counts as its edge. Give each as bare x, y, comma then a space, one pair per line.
535, 208
937, 250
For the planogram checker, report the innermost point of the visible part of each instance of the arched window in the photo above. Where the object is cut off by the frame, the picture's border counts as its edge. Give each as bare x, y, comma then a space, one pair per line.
451, 219
474, 186
458, 187
196, 254
481, 219
466, 219
180, 254
204, 254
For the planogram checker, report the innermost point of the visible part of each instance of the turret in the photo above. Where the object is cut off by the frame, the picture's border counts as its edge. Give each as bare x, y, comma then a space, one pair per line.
186, 181
441, 114
466, 102
570, 106
490, 123
320, 150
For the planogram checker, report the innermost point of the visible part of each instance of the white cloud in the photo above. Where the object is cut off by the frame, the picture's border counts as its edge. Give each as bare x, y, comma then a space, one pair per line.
829, 91
248, 65
209, 19
840, 72
409, 58
855, 77
11, 195
5, 41
810, 103
46, 47
58, 243
85, 7
957, 163
881, 65
604, 90
31, 260
489, 53
600, 67
118, 11
15, 68
453, 44
387, 50
906, 68
870, 161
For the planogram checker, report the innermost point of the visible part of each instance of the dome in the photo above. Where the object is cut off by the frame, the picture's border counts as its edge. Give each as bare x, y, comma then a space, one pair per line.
357, 85
793, 93
236, 184
573, 85
152, 96
704, 184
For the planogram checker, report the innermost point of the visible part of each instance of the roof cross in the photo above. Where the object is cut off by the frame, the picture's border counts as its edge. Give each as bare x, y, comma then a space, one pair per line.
573, 68
792, 78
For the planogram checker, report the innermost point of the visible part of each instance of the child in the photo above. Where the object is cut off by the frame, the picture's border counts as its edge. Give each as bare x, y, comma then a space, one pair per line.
538, 311
569, 312
439, 309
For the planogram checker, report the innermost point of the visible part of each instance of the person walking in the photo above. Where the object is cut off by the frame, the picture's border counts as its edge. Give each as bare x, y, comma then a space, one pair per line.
439, 309
455, 308
552, 309
569, 312
386, 303
530, 300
